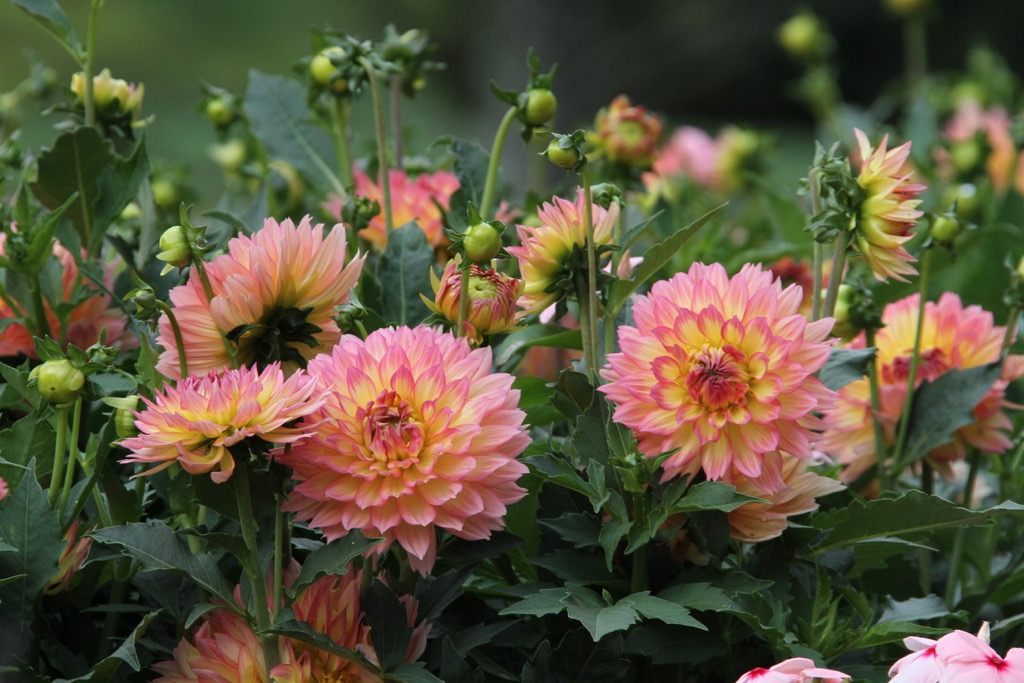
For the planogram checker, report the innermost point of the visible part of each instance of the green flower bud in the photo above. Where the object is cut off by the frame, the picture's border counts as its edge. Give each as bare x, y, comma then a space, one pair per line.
1020, 268
540, 106
322, 69
801, 35
481, 242
561, 156
124, 415
945, 229
58, 381
219, 112
166, 194
176, 248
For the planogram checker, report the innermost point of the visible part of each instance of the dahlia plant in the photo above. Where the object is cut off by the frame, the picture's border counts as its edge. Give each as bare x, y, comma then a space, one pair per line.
388, 410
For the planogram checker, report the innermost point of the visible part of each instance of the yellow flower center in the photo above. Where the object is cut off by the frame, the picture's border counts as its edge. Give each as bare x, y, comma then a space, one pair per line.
718, 378
392, 434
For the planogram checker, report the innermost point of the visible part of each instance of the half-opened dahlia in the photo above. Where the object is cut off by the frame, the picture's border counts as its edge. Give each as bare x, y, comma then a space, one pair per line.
197, 422
274, 292
953, 337
545, 248
888, 211
721, 370
416, 432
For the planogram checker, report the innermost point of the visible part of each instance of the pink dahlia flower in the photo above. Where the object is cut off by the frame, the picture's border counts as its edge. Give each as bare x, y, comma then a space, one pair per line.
276, 290
70, 561
197, 422
953, 337
415, 200
755, 522
721, 370
690, 152
627, 134
969, 120
224, 649
796, 670
492, 300
416, 433
889, 210
4, 490
546, 247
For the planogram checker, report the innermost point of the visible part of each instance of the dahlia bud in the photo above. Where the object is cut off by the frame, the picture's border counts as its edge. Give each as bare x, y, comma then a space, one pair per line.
111, 95
945, 230
605, 194
482, 242
801, 35
966, 199
176, 249
1020, 268
58, 381
70, 561
540, 106
166, 193
563, 156
628, 134
323, 69
492, 300
220, 112
229, 155
906, 7
124, 415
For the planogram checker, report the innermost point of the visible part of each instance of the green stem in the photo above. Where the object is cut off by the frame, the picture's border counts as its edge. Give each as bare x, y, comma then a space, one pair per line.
118, 590
916, 54
835, 277
395, 86
208, 290
492, 165
915, 358
1011, 328
928, 487
638, 577
463, 301
819, 248
42, 324
382, 141
339, 131
87, 66
881, 452
594, 361
69, 471
956, 560
182, 356
58, 454
252, 565
279, 539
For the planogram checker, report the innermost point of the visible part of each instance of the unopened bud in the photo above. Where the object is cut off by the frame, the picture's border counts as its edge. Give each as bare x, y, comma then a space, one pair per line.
540, 106
801, 35
58, 381
176, 249
124, 415
322, 69
945, 230
482, 242
563, 157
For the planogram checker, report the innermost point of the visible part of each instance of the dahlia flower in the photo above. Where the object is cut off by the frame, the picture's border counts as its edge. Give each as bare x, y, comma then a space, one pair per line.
70, 560
224, 649
795, 670
888, 211
627, 134
545, 248
721, 371
197, 422
969, 120
85, 321
689, 152
412, 200
4, 489
492, 300
276, 290
952, 338
416, 433
755, 522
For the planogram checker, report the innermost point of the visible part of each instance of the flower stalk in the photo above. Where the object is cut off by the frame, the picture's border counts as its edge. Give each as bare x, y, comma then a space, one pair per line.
835, 275
69, 470
340, 110
251, 564
58, 454
589, 327
492, 165
915, 359
382, 141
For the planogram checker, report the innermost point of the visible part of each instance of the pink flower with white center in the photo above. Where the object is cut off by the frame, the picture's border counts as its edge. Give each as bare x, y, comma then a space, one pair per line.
920, 666
966, 658
796, 670
416, 433
199, 421
721, 370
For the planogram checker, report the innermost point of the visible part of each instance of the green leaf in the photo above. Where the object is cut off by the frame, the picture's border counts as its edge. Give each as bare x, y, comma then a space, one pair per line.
535, 400
470, 168
663, 610
29, 526
389, 625
51, 17
404, 274
302, 632
573, 394
915, 609
945, 405
712, 495
331, 559
74, 164
893, 631
575, 566
277, 112
511, 349
698, 595
912, 514
845, 366
555, 469
159, 548
412, 672
125, 654
654, 258
119, 184
539, 604
30, 438
576, 527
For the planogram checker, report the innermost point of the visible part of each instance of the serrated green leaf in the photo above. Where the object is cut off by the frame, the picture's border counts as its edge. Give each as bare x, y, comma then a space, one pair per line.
575, 566
513, 346
412, 672
159, 548
698, 596
913, 514
277, 112
73, 165
404, 274
712, 495
945, 405
125, 654
654, 258
558, 471
845, 366
470, 168
389, 625
331, 559
30, 438
576, 527
51, 17
663, 610
539, 604
893, 631
119, 184
303, 632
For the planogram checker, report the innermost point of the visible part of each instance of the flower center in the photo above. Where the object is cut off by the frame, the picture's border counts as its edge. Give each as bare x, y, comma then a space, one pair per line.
997, 662
392, 434
337, 677
717, 378
932, 364
481, 287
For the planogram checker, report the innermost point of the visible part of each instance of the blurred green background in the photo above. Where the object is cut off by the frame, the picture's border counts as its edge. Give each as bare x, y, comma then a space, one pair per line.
706, 62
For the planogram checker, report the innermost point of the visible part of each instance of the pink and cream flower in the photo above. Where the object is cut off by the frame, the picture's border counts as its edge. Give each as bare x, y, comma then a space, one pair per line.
953, 337
492, 300
416, 434
627, 134
888, 211
418, 200
721, 370
70, 561
275, 291
690, 153
545, 248
199, 421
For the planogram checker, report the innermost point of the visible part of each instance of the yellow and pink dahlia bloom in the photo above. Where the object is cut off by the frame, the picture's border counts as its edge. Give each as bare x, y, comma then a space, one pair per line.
492, 300
420, 200
544, 249
721, 371
888, 211
70, 560
416, 434
277, 289
953, 337
199, 421
627, 134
